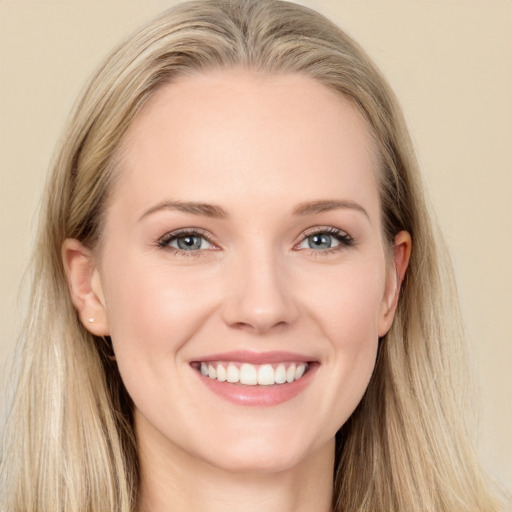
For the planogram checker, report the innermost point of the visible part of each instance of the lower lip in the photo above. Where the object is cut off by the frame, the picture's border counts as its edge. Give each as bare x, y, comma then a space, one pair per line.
259, 396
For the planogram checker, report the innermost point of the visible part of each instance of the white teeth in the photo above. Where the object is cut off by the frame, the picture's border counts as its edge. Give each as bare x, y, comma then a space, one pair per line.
266, 375
251, 375
290, 373
232, 373
280, 375
221, 373
248, 374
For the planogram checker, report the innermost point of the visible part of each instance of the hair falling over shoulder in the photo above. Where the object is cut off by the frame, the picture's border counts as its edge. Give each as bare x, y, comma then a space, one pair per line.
69, 443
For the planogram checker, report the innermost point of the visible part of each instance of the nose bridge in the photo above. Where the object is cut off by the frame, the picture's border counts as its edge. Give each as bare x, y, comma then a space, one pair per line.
260, 296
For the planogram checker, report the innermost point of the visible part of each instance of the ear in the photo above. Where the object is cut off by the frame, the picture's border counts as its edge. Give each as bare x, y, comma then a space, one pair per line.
396, 273
85, 286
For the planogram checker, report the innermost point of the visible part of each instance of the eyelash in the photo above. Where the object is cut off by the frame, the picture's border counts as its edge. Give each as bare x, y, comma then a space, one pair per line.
344, 239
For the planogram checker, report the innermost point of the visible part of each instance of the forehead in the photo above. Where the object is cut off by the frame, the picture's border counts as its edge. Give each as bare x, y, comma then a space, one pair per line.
237, 133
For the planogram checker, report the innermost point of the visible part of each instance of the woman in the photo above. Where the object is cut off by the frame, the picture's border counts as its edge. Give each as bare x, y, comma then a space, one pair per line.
255, 310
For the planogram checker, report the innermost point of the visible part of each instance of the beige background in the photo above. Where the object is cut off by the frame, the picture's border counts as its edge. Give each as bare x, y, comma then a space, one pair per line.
450, 62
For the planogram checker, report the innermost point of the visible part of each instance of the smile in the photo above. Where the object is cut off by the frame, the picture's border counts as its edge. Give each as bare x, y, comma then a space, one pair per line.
256, 379
253, 375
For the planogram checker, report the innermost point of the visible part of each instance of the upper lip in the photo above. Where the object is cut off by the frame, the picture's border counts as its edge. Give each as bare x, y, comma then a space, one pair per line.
246, 356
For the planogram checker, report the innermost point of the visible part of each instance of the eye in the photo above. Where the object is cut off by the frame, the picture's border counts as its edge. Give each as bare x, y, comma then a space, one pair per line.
321, 241
189, 241
325, 239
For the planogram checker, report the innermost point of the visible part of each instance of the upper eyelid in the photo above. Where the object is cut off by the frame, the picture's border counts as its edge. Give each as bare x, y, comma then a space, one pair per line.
322, 229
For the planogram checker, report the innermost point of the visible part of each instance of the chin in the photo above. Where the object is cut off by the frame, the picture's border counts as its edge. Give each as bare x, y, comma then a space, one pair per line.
262, 463
261, 454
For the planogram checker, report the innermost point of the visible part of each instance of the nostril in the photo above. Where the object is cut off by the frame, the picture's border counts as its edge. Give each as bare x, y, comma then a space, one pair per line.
260, 325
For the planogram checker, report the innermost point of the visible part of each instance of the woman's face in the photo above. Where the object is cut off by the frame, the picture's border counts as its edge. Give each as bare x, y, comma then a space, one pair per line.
243, 240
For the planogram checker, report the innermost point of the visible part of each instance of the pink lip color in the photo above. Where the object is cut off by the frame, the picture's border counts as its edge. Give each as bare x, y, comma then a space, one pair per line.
244, 356
259, 396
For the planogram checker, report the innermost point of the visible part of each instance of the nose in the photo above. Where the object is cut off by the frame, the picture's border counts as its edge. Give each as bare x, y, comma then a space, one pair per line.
260, 295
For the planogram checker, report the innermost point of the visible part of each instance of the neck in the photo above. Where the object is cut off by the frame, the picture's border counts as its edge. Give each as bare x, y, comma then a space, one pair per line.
179, 481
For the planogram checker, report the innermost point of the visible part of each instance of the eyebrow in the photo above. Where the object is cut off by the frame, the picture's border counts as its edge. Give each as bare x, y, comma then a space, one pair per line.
214, 211
313, 207
204, 209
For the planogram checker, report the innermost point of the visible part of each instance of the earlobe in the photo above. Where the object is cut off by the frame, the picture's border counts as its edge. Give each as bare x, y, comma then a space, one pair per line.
401, 256
84, 286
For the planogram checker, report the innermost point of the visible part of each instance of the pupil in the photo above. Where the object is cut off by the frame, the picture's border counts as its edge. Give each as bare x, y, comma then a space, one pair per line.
320, 241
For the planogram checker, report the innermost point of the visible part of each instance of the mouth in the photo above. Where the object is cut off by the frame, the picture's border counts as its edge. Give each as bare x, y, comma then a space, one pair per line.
247, 374
249, 378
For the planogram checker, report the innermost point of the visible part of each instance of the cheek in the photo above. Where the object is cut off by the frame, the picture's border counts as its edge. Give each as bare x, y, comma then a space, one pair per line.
153, 310
348, 311
347, 302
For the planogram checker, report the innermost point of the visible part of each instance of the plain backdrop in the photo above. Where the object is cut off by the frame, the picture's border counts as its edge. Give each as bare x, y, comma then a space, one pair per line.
449, 61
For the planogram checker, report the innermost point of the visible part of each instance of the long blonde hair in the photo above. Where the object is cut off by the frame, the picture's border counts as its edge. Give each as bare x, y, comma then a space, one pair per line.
69, 442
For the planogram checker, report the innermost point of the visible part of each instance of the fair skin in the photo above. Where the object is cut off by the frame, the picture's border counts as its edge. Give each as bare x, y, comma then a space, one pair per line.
245, 221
